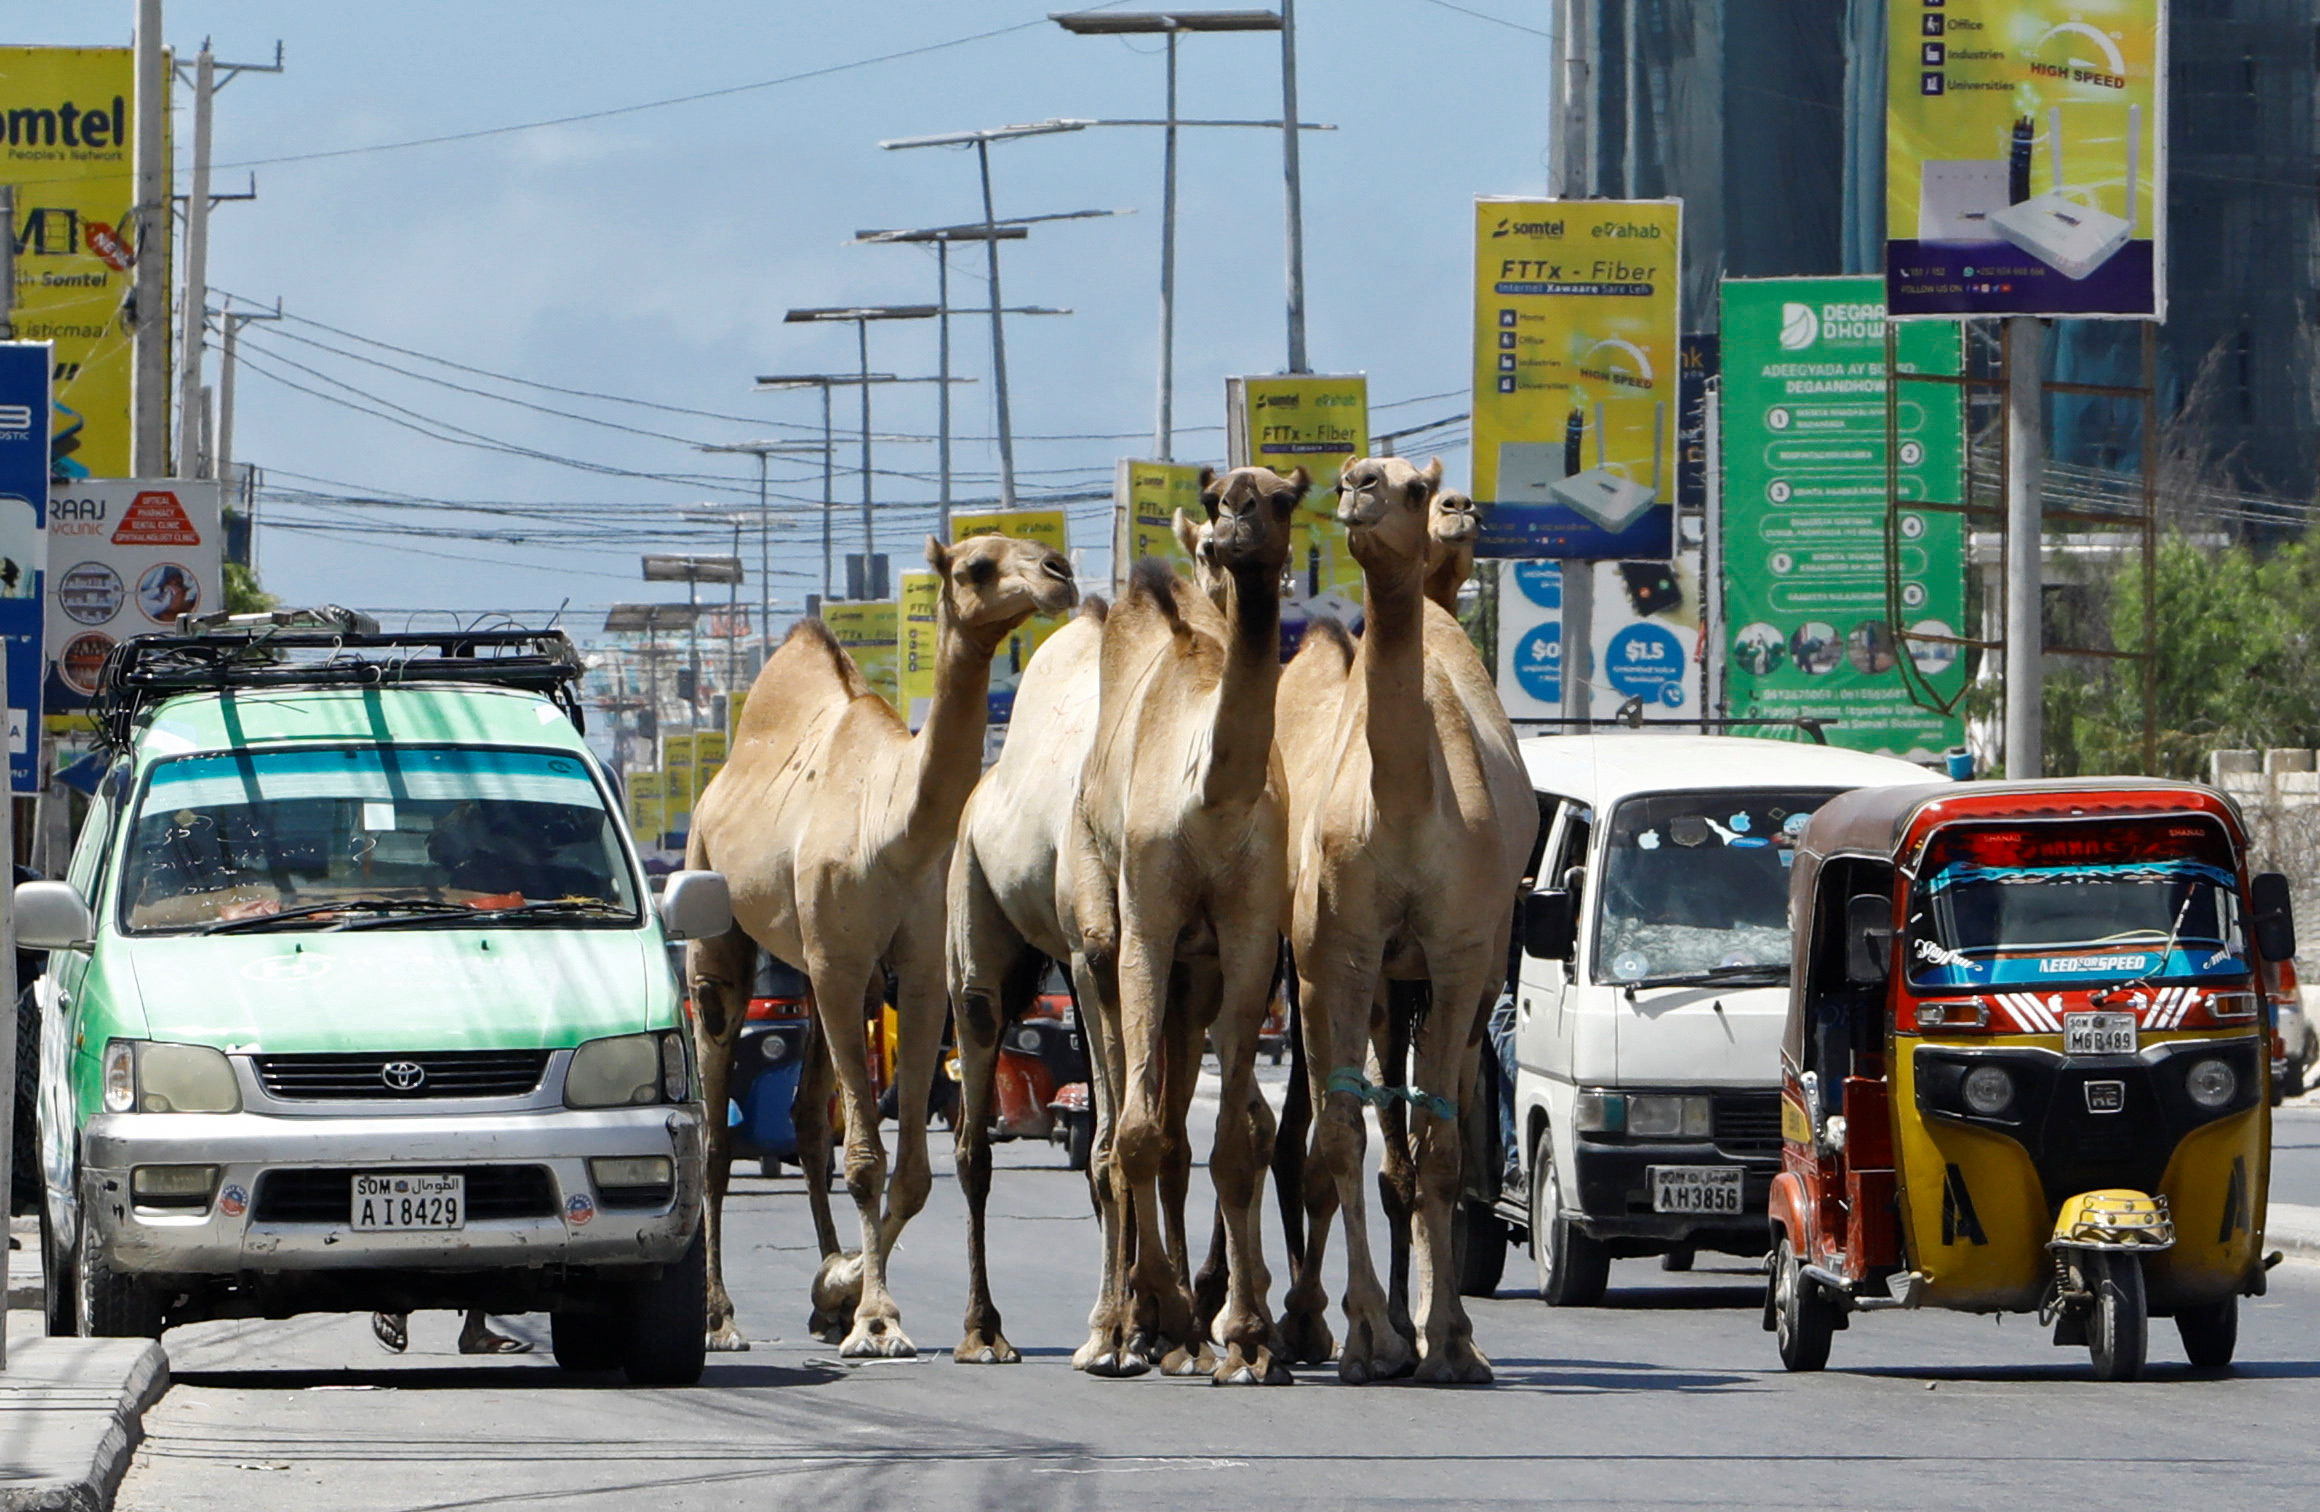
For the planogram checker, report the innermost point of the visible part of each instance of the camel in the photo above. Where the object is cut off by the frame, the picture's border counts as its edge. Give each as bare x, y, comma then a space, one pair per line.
1453, 525
1411, 820
1179, 871
1010, 915
833, 826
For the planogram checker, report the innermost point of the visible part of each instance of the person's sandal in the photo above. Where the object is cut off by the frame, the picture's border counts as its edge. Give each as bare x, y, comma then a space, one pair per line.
393, 1331
489, 1343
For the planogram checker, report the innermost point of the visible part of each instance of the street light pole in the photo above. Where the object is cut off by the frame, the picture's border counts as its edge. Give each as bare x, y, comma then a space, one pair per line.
1163, 434
998, 332
1294, 187
763, 450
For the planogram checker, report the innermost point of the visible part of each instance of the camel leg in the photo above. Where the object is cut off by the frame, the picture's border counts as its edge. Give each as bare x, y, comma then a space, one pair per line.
1338, 1005
1211, 1286
841, 986
1095, 983
809, 1114
1447, 1050
719, 971
1193, 993
986, 956
1162, 1306
1243, 1330
1305, 1335
1390, 1025
920, 1007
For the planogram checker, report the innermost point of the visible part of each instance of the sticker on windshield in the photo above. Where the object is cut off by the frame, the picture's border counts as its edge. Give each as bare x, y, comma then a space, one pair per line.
1648, 840
1794, 824
1630, 966
2101, 965
1740, 822
378, 818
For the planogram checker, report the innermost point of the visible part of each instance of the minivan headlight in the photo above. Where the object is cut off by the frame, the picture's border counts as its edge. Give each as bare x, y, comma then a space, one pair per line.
614, 1073
157, 1076
1660, 1116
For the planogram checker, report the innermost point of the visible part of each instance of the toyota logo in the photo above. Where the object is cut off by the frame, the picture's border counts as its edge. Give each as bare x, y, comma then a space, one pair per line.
403, 1076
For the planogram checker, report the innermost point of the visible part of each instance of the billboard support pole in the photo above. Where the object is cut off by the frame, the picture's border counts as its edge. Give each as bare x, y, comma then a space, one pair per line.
2025, 463
149, 369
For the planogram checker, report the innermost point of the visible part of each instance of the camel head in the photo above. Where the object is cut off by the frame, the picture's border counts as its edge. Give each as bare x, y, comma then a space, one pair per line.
1382, 502
1250, 510
993, 583
1454, 522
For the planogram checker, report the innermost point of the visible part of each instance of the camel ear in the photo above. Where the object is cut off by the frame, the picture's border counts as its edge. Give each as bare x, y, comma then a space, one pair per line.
1429, 479
1209, 496
1188, 536
938, 556
1286, 498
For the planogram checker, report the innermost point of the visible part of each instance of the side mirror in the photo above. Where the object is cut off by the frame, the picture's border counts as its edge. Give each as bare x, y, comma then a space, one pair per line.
1550, 925
695, 906
51, 916
1868, 939
2273, 920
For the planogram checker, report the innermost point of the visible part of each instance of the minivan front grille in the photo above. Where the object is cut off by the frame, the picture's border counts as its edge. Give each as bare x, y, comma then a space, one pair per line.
327, 1196
1747, 1123
415, 1076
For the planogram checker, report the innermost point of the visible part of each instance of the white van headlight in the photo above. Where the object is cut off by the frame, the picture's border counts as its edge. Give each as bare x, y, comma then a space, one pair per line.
620, 1072
157, 1076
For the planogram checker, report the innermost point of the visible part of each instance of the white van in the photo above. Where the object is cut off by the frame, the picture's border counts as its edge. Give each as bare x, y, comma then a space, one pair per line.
1648, 996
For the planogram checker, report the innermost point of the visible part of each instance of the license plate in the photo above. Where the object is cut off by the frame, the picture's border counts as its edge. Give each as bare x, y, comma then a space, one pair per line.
391, 1204
2098, 1034
1694, 1189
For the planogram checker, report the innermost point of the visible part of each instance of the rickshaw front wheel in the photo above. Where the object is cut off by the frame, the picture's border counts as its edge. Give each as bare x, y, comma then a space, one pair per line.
2210, 1333
2118, 1330
1803, 1316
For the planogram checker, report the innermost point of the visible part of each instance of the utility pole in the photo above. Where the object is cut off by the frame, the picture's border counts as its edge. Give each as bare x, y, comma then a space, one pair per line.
195, 306
230, 322
149, 274
826, 382
2025, 524
761, 450
1294, 186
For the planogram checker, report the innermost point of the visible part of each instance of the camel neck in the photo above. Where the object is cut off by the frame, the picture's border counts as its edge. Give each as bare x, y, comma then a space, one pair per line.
949, 746
1393, 665
1448, 576
1241, 738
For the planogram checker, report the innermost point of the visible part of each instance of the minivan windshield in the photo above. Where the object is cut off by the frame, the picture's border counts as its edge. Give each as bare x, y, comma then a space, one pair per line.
372, 836
1695, 886
2052, 903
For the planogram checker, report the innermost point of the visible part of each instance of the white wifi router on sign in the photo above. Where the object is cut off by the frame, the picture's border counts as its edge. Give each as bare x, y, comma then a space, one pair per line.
2068, 234
1609, 498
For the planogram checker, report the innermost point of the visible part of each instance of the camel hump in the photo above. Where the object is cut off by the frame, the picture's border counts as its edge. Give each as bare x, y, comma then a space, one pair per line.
1326, 632
1155, 581
1095, 607
811, 635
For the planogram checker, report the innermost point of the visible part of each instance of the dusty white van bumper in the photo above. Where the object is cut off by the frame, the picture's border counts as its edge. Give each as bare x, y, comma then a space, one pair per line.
282, 1200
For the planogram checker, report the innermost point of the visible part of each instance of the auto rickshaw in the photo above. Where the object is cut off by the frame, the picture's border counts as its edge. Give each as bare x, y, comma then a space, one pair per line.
2024, 1065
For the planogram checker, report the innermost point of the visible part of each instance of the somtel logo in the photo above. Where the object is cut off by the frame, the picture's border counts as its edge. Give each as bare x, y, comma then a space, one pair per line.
1279, 401
1507, 227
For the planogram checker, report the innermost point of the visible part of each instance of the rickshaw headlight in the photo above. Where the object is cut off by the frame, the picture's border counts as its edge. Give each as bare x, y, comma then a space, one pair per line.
2211, 1083
1988, 1090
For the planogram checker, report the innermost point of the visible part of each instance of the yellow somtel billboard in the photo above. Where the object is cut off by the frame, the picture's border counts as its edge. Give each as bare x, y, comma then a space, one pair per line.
67, 132
1145, 498
921, 633
2024, 158
1319, 423
644, 808
1049, 527
1577, 368
867, 629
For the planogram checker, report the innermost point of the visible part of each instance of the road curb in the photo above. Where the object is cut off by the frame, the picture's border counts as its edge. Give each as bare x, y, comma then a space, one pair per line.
2294, 1230
73, 1412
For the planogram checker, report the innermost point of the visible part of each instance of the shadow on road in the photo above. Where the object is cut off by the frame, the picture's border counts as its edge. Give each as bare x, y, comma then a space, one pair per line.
543, 1376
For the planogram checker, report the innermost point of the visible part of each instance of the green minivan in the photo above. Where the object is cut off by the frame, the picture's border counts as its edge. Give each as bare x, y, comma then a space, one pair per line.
357, 999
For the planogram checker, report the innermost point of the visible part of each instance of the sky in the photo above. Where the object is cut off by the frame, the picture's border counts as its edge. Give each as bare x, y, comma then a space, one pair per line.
649, 254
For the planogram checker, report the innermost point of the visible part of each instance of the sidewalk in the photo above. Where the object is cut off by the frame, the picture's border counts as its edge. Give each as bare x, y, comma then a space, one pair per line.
2293, 1230
71, 1410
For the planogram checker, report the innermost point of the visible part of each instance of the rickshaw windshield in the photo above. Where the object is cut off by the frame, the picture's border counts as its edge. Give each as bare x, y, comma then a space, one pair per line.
2113, 900
1695, 885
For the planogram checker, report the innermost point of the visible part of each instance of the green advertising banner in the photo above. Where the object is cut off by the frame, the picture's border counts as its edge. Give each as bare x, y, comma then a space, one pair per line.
1810, 626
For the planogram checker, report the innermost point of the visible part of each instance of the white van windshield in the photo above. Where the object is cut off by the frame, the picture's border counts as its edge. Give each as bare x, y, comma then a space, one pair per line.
1695, 887
355, 836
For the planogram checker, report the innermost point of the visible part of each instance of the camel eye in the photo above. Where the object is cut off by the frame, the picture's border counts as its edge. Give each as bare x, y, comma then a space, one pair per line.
981, 571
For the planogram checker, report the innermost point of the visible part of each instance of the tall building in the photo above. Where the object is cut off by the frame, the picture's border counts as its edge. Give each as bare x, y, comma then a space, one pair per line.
1767, 118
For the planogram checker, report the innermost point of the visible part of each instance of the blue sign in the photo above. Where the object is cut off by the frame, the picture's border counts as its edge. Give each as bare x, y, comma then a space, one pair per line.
1538, 662
1646, 661
1540, 582
24, 426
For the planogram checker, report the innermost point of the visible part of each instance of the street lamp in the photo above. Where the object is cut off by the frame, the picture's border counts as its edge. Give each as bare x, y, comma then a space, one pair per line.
860, 316
981, 141
762, 450
1171, 25
649, 620
692, 571
825, 382
709, 514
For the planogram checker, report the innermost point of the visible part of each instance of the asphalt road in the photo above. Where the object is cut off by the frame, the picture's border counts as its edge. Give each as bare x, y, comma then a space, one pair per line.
1669, 1395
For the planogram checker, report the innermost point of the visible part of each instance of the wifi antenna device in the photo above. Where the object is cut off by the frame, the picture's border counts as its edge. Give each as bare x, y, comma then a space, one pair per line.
1609, 498
2070, 235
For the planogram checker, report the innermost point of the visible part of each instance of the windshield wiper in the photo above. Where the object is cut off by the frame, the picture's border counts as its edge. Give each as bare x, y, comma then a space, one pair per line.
462, 917
314, 910
1765, 971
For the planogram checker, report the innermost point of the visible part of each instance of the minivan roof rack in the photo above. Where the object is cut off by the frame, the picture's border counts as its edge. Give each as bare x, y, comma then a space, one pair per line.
325, 647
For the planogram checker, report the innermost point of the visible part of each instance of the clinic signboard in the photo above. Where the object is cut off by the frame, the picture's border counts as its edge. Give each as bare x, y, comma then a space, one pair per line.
1814, 626
24, 446
67, 129
1577, 387
2025, 168
128, 556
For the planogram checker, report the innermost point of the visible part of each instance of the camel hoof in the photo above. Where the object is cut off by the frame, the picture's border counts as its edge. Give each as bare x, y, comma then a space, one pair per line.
877, 1339
1454, 1368
1187, 1360
1237, 1369
1372, 1354
982, 1349
1305, 1339
1119, 1365
726, 1339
